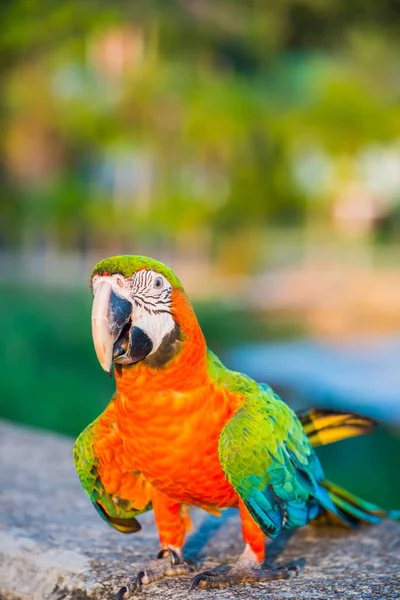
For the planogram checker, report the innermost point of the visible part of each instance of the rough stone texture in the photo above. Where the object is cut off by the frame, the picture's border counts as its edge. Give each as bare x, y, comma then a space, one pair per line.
54, 546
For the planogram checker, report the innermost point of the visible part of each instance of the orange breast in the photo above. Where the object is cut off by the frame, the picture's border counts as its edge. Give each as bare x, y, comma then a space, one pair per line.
172, 438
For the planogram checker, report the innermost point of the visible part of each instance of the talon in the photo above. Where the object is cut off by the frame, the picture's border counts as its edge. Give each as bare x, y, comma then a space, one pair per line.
121, 593
196, 581
175, 558
293, 570
139, 580
130, 587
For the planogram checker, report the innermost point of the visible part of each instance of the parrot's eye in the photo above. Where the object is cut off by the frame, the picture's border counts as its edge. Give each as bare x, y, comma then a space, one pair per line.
158, 283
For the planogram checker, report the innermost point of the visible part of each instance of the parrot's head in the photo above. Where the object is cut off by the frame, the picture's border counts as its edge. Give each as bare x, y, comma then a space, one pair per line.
137, 314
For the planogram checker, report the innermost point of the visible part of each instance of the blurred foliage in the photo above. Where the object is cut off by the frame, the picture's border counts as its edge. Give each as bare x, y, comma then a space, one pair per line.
126, 122
50, 375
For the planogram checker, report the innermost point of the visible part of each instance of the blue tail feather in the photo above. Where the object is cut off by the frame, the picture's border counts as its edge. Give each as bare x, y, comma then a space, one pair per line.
352, 509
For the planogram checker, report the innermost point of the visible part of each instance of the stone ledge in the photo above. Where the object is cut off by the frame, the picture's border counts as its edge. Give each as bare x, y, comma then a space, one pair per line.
53, 545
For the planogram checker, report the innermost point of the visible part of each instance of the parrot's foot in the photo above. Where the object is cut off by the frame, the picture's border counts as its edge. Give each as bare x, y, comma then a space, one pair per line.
246, 569
168, 564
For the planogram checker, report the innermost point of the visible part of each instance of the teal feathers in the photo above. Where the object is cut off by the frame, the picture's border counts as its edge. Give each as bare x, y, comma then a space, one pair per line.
269, 460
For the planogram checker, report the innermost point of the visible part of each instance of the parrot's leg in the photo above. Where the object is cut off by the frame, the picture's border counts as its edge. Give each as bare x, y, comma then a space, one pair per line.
172, 523
249, 565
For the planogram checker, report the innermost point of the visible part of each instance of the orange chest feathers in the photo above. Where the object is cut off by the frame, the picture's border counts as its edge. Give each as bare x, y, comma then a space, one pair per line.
172, 439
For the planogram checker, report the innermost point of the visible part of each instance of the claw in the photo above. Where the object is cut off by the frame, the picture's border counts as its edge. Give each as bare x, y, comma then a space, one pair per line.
139, 580
121, 593
133, 585
175, 558
293, 570
199, 578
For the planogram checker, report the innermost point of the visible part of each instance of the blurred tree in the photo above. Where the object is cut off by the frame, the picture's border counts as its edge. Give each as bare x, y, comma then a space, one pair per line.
134, 120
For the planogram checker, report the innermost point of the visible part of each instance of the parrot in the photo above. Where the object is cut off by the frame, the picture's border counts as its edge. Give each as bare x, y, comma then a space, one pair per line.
182, 430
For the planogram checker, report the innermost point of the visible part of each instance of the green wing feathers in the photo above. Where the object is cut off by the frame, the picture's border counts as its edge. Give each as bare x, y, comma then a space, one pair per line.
266, 453
270, 463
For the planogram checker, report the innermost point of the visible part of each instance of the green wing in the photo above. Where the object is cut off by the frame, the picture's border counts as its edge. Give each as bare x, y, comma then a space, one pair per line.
269, 461
117, 512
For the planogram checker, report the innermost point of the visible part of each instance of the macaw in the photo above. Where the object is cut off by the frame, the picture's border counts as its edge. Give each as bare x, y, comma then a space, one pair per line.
183, 430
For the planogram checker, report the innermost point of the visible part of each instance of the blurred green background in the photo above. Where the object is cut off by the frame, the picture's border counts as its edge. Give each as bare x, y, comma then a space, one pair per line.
253, 146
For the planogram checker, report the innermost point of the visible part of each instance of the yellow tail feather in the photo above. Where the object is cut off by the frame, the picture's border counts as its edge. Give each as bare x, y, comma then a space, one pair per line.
326, 426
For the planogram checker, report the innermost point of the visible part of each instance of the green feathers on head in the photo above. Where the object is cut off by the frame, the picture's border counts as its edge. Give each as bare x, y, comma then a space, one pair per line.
128, 265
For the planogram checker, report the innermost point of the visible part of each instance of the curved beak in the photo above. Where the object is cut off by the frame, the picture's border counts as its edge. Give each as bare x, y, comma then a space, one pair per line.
110, 314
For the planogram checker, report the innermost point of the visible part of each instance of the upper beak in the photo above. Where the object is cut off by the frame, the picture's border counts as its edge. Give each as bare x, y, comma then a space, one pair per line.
110, 314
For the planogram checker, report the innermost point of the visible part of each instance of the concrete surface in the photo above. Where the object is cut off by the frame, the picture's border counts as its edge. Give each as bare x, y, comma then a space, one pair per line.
53, 545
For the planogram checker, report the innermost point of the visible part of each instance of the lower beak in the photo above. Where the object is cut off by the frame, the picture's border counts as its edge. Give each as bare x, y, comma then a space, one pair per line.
110, 314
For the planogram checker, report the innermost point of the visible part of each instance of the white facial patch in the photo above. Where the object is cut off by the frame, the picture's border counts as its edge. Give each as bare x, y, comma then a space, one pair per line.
156, 326
151, 296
